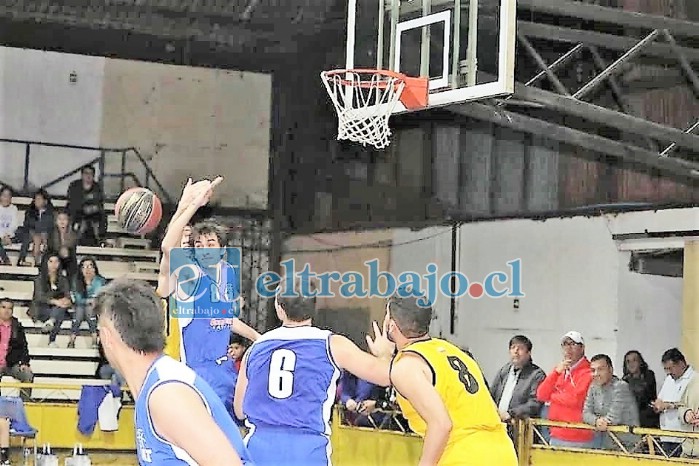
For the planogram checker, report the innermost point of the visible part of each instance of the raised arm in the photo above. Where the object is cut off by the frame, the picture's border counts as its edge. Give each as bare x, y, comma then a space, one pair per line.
193, 197
207, 444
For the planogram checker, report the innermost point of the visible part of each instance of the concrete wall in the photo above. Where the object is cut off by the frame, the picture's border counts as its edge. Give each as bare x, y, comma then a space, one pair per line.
185, 121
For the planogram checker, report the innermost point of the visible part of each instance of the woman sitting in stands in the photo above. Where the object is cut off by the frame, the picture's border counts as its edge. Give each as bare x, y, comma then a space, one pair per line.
63, 242
9, 222
641, 380
87, 283
51, 302
38, 223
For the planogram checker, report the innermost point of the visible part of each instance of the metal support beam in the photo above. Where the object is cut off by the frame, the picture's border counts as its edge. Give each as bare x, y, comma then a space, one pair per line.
671, 148
565, 58
542, 64
684, 63
601, 40
607, 117
679, 168
611, 69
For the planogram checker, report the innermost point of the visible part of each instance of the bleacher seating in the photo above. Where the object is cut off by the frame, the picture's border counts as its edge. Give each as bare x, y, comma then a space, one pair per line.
129, 256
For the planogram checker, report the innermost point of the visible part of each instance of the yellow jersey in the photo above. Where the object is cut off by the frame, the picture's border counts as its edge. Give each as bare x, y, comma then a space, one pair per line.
478, 436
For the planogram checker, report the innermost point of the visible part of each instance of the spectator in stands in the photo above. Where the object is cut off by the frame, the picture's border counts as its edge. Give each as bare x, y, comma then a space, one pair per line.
514, 386
359, 399
38, 223
51, 301
641, 380
86, 207
690, 418
679, 374
9, 222
237, 346
63, 242
610, 402
565, 388
87, 283
14, 351
105, 371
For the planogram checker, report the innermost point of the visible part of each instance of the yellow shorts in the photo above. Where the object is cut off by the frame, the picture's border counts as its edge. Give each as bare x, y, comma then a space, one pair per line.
482, 448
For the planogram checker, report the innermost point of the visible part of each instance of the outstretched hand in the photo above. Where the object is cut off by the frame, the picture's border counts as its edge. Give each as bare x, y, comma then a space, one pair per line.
381, 346
198, 193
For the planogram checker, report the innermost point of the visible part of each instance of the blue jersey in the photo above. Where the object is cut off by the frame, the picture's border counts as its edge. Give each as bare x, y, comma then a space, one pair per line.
154, 450
206, 306
292, 380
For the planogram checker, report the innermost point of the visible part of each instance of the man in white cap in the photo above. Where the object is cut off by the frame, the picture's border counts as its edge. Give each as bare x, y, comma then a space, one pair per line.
565, 389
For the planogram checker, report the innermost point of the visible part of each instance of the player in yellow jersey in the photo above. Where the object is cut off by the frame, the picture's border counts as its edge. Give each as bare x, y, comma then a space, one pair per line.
442, 393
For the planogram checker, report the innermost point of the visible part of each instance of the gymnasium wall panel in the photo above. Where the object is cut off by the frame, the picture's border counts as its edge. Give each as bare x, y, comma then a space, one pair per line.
48, 97
193, 122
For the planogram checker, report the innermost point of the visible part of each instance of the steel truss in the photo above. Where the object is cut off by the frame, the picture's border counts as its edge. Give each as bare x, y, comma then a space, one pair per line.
636, 37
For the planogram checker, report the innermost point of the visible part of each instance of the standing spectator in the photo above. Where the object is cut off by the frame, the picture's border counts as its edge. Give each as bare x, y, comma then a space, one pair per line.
514, 387
679, 374
87, 283
38, 223
689, 415
610, 402
86, 207
51, 297
14, 351
63, 242
9, 222
565, 389
641, 380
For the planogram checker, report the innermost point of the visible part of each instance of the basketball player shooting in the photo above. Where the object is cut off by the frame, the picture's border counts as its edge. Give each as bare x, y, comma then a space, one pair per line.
288, 380
442, 393
165, 391
204, 338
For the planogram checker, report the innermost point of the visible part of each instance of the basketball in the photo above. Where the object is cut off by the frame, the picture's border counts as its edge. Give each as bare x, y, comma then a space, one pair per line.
138, 211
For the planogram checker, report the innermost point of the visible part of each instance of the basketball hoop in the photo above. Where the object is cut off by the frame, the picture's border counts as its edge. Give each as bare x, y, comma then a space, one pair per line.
365, 99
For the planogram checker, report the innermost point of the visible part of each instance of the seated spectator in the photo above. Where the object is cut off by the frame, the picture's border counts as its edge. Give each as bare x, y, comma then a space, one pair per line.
14, 351
9, 222
641, 380
514, 386
87, 283
51, 302
610, 402
565, 389
679, 374
63, 242
359, 398
237, 346
38, 223
86, 208
689, 415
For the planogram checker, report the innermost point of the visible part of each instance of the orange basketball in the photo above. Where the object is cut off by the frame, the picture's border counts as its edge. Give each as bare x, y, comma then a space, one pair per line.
138, 211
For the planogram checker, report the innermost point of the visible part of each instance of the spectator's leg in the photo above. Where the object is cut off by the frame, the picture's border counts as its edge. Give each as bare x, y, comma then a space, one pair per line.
92, 324
25, 375
4, 260
4, 440
24, 249
58, 315
106, 372
78, 317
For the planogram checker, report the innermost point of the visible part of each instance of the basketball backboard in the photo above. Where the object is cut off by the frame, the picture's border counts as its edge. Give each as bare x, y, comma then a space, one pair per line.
465, 47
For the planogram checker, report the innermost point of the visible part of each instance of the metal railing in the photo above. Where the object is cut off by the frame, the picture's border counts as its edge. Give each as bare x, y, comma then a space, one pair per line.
148, 180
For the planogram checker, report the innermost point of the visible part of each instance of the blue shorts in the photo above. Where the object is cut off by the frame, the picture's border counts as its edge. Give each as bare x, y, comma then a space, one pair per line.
274, 446
222, 379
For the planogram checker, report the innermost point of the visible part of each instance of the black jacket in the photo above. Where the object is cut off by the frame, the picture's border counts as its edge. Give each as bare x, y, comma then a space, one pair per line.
524, 403
17, 351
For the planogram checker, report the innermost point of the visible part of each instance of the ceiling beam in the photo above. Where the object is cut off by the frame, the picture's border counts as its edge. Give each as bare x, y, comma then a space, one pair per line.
679, 168
607, 117
601, 40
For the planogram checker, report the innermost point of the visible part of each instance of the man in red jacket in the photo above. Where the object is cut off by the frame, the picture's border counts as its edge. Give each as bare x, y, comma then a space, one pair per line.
565, 389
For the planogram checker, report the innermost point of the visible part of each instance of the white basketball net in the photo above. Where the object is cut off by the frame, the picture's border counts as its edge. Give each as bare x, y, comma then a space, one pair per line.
364, 101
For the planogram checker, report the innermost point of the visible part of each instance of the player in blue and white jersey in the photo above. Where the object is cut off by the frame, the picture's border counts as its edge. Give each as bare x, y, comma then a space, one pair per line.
288, 380
165, 391
206, 292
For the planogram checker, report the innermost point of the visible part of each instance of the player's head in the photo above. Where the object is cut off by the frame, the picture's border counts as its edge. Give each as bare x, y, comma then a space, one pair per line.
209, 240
407, 320
130, 319
297, 305
237, 346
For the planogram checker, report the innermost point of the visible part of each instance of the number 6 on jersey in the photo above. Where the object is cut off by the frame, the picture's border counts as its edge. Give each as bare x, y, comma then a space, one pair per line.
281, 373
